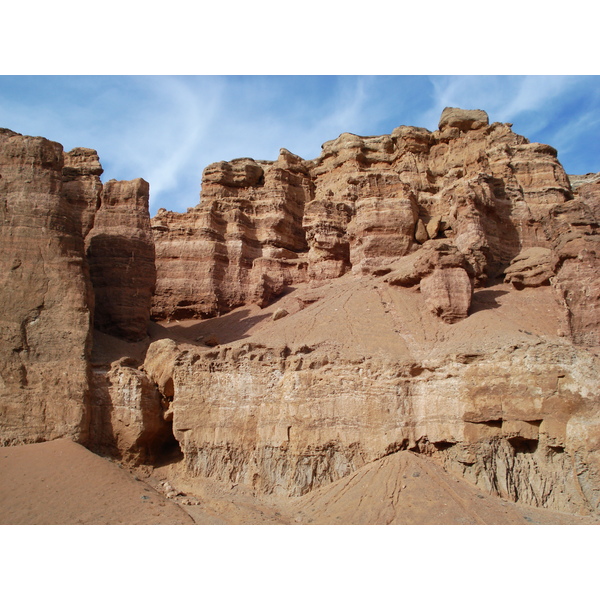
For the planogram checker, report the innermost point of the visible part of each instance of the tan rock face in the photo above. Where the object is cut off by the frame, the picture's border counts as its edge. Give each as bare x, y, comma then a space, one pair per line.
127, 416
532, 267
364, 203
50, 202
589, 194
81, 184
391, 295
241, 244
506, 408
442, 273
427, 359
45, 295
120, 252
575, 246
447, 293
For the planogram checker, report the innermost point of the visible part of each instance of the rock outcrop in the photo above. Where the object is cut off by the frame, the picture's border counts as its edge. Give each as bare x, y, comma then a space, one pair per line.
367, 370
577, 253
241, 244
81, 184
45, 295
363, 204
75, 253
120, 253
442, 273
427, 292
127, 415
435, 218
532, 267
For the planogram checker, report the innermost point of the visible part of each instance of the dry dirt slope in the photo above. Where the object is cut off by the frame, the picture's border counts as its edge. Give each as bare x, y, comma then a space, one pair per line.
408, 489
61, 482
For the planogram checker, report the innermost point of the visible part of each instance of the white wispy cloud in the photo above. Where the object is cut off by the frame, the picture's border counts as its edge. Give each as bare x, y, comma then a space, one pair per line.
504, 98
170, 133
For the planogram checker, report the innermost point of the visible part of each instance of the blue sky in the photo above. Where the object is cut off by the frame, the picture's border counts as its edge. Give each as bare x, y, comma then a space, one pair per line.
166, 129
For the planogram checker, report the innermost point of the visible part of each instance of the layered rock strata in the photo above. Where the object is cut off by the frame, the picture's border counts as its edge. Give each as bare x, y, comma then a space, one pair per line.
242, 244
438, 216
576, 251
363, 204
300, 404
427, 291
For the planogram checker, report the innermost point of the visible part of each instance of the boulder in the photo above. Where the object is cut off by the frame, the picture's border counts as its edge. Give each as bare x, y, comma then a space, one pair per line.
531, 268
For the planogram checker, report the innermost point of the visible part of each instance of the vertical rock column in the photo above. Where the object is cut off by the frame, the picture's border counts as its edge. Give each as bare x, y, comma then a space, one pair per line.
82, 187
120, 251
45, 298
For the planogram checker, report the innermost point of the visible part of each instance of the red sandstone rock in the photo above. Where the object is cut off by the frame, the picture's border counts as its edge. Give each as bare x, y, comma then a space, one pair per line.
81, 184
441, 270
464, 120
45, 298
50, 200
447, 293
357, 369
127, 415
590, 194
120, 252
241, 244
576, 247
532, 267
364, 203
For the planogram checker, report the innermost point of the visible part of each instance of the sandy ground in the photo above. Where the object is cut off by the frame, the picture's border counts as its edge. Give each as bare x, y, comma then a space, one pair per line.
62, 483
358, 317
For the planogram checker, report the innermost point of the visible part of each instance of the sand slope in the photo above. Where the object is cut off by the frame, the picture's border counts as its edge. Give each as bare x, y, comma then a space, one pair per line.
407, 489
62, 483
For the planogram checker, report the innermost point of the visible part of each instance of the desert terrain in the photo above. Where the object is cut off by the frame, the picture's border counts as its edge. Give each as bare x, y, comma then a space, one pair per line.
403, 330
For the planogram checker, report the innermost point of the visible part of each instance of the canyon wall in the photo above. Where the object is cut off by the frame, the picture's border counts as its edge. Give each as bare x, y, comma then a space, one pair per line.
45, 295
240, 245
427, 291
362, 205
75, 253
442, 225
366, 369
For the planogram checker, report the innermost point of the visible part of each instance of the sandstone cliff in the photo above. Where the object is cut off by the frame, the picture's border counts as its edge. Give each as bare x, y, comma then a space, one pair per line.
362, 205
462, 270
120, 253
365, 370
75, 253
434, 293
240, 245
45, 297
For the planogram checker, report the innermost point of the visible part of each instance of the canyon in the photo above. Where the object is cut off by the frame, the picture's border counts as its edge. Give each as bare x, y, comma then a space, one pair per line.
418, 302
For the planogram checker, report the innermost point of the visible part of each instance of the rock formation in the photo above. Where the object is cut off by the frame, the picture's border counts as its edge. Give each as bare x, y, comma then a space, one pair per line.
120, 252
317, 394
437, 216
425, 292
239, 245
576, 248
45, 295
362, 205
75, 253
